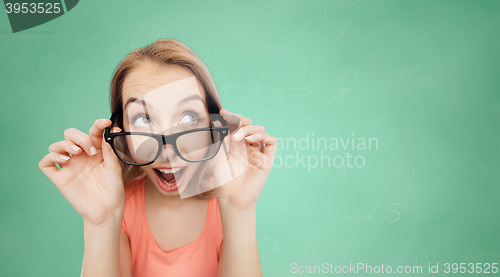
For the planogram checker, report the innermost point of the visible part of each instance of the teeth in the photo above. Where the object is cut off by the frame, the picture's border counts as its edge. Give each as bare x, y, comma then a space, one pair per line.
166, 182
164, 170
173, 170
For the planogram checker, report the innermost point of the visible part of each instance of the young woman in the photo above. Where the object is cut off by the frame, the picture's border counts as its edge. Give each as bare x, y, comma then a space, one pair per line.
135, 222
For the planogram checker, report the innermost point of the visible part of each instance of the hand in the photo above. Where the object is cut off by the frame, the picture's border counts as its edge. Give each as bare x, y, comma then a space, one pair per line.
91, 179
250, 159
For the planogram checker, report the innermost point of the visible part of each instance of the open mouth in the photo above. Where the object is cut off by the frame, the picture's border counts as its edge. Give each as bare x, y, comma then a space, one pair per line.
170, 178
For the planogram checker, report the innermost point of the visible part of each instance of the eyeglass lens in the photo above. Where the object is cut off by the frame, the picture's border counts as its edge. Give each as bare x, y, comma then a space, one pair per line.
193, 147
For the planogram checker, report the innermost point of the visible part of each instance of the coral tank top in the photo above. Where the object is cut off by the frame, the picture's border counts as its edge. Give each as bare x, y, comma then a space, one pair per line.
199, 258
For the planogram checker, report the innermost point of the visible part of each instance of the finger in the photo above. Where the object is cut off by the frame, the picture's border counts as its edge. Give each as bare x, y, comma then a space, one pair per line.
110, 159
48, 164
233, 122
96, 132
262, 142
244, 120
65, 146
270, 146
265, 146
258, 138
81, 140
247, 131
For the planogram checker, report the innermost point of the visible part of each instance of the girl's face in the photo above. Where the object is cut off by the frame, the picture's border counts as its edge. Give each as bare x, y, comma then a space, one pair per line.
153, 103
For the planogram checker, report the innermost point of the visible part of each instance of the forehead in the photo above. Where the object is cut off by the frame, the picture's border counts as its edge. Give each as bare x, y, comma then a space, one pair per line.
148, 77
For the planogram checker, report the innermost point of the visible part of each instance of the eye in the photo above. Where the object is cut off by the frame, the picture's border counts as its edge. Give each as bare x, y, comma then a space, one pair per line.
189, 118
142, 121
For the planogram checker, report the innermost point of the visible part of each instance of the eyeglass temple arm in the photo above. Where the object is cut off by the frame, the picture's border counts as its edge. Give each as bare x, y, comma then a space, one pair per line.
112, 118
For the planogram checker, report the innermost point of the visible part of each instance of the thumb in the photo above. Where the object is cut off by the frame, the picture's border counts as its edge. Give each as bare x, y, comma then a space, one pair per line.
110, 159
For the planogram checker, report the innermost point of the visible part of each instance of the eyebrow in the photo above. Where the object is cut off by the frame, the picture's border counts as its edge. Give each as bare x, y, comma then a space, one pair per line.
182, 101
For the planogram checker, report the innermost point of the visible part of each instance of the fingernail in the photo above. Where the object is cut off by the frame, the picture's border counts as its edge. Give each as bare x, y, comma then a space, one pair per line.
236, 135
227, 111
249, 137
64, 157
93, 151
74, 147
103, 120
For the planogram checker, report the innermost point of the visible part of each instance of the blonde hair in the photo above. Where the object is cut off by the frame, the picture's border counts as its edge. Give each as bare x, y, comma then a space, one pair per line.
164, 52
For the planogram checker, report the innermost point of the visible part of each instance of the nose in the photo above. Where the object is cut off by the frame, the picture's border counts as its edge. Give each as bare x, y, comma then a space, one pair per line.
167, 151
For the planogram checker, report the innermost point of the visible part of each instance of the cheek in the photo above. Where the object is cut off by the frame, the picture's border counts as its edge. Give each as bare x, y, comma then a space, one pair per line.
198, 154
148, 170
191, 170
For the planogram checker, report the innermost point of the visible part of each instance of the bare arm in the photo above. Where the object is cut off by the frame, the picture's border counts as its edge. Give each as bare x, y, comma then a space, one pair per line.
251, 154
90, 179
102, 248
239, 253
125, 255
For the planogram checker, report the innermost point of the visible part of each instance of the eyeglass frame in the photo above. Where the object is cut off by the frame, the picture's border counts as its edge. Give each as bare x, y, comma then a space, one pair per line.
166, 139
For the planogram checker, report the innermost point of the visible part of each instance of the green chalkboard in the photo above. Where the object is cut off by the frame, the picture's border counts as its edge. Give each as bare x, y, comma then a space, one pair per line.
387, 115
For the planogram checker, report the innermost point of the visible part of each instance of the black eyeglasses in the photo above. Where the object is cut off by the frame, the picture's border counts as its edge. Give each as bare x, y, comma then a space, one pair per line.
195, 145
